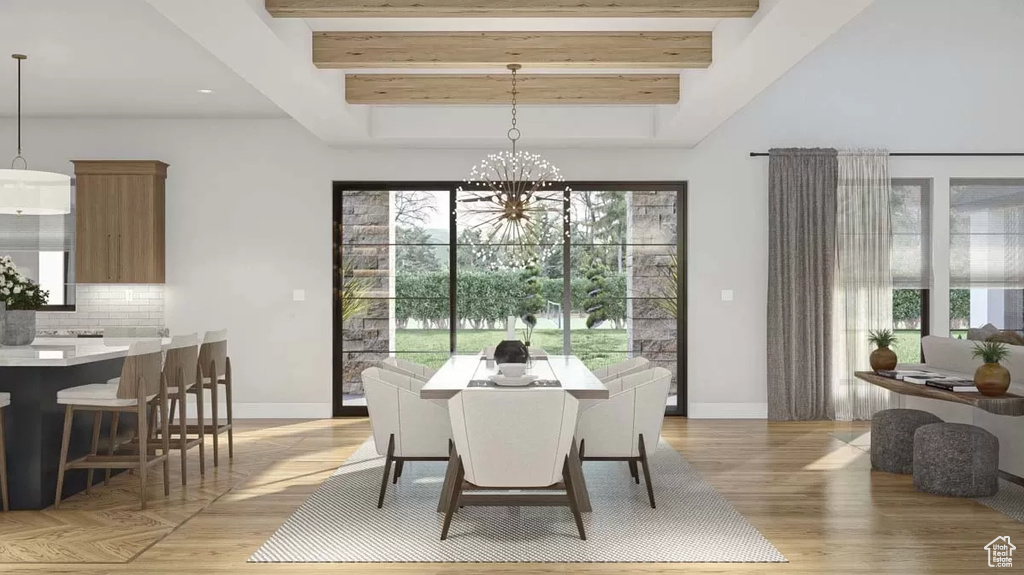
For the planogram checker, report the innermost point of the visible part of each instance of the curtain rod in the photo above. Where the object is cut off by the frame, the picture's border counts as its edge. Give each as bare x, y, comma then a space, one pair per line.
935, 154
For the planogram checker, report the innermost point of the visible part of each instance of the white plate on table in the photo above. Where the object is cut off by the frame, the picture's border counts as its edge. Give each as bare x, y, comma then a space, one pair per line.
505, 381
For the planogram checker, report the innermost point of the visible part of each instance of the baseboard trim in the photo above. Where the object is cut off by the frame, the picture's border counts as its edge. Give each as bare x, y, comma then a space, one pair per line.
268, 410
727, 411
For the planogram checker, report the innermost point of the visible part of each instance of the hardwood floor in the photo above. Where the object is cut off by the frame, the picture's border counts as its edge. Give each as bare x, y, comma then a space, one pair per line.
807, 489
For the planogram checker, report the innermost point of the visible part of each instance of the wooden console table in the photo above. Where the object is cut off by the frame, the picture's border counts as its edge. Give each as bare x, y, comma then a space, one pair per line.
1008, 404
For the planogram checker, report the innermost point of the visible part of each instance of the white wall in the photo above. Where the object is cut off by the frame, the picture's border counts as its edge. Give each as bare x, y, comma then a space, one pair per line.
249, 202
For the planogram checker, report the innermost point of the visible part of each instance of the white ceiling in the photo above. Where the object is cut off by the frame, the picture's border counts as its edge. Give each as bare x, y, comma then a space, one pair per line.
114, 58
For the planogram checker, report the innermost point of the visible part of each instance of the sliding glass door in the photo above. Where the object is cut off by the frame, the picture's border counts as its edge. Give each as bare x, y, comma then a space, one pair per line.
420, 274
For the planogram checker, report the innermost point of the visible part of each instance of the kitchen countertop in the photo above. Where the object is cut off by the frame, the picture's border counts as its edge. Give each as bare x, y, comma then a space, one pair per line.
64, 351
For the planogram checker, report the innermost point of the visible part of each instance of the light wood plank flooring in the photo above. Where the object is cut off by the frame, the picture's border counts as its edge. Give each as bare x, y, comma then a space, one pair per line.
804, 485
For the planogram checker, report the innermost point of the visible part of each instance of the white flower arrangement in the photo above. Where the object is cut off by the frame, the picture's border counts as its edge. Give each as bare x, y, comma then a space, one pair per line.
18, 291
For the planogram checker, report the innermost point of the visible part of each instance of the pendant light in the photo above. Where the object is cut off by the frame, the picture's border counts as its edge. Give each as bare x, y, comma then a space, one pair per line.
505, 193
29, 192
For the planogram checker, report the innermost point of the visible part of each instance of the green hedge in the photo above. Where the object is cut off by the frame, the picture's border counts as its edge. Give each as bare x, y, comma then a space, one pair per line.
490, 297
906, 306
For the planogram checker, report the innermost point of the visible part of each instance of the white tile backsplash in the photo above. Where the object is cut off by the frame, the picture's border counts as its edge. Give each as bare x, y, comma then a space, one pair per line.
101, 305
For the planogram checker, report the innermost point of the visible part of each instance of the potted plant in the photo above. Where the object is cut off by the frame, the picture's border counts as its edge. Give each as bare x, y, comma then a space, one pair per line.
991, 378
23, 298
883, 358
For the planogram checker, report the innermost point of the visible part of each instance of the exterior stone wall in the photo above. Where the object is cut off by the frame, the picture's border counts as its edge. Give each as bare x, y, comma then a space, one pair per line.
366, 338
653, 333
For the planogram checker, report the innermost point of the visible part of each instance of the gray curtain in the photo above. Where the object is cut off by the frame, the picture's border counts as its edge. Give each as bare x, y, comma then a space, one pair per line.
801, 267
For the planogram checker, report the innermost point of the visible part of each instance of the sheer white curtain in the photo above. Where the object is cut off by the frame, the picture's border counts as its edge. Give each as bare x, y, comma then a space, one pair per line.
863, 280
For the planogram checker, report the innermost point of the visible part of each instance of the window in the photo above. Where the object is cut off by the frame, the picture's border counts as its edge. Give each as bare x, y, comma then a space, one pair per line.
986, 254
910, 213
43, 248
432, 279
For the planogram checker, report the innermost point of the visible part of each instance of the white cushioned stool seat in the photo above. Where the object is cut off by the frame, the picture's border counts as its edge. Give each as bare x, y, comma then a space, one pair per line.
5, 399
94, 394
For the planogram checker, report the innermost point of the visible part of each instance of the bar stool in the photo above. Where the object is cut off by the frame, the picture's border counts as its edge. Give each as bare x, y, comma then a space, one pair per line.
140, 385
215, 367
5, 400
182, 372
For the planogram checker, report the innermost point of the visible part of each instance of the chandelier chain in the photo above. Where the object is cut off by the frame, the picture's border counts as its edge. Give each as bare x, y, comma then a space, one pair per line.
514, 133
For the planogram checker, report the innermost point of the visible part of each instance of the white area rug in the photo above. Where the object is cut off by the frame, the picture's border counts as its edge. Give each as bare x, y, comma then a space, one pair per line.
340, 522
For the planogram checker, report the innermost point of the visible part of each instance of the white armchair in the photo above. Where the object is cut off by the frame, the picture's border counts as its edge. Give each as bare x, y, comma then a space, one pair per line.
408, 368
622, 369
405, 427
516, 439
627, 425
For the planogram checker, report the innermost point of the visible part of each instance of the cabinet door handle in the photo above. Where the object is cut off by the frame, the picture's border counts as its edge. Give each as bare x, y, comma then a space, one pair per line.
108, 276
119, 257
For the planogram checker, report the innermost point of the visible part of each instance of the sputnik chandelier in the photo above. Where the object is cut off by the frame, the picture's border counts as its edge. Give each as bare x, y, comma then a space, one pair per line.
507, 192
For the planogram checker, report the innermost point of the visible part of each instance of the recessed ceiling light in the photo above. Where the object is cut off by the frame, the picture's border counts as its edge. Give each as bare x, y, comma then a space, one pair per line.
205, 91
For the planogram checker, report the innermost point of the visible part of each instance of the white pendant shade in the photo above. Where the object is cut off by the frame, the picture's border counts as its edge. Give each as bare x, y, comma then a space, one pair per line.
32, 193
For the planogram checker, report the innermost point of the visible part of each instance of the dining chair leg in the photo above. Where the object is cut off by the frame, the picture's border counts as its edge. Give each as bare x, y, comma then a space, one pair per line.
213, 412
647, 471
115, 417
200, 409
399, 465
453, 505
582, 447
182, 433
3, 464
143, 447
65, 440
449, 478
633, 472
387, 470
570, 494
97, 420
227, 398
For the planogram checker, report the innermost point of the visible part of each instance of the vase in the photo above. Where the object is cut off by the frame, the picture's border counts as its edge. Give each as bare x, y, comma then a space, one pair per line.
3, 320
992, 379
883, 359
511, 351
20, 327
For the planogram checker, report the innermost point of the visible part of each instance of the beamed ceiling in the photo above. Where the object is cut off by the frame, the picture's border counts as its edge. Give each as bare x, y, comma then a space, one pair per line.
646, 71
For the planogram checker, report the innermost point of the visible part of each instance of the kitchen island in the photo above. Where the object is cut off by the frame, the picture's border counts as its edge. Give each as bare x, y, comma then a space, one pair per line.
34, 421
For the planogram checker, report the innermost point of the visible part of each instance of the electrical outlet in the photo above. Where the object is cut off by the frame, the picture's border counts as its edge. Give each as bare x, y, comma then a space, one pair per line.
129, 295
299, 295
727, 295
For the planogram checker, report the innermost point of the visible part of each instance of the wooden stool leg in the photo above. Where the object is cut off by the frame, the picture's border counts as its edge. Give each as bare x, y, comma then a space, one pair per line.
165, 433
3, 464
174, 407
183, 433
143, 447
68, 410
200, 401
231, 423
114, 418
216, 424
97, 420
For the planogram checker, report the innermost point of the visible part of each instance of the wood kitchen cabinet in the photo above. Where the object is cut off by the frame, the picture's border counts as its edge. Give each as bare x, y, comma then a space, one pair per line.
119, 221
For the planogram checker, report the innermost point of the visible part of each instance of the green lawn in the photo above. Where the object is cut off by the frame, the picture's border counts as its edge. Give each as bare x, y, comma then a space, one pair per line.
908, 344
597, 348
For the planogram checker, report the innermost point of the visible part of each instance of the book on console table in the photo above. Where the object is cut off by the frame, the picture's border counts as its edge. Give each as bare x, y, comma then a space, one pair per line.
955, 384
904, 374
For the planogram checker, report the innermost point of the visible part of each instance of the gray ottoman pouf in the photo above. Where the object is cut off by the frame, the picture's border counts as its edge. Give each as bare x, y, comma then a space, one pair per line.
892, 438
956, 459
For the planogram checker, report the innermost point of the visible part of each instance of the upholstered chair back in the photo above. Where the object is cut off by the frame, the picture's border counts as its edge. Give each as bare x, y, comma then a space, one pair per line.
513, 437
408, 368
214, 349
142, 365
181, 361
420, 427
610, 428
622, 369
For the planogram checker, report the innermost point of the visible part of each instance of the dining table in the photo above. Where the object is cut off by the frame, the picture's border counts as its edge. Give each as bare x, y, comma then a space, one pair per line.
566, 372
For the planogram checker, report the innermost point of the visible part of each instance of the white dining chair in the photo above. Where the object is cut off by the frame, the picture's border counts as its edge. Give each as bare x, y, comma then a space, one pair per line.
622, 369
627, 425
408, 368
405, 427
512, 439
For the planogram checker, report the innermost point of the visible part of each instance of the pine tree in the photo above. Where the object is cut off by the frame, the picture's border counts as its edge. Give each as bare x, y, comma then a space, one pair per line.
596, 302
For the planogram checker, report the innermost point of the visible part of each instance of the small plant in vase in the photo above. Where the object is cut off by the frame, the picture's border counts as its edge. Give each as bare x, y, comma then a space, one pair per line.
883, 358
22, 298
991, 378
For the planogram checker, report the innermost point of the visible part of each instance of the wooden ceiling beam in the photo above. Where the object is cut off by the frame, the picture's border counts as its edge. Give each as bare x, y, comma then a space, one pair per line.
353, 50
512, 8
646, 89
